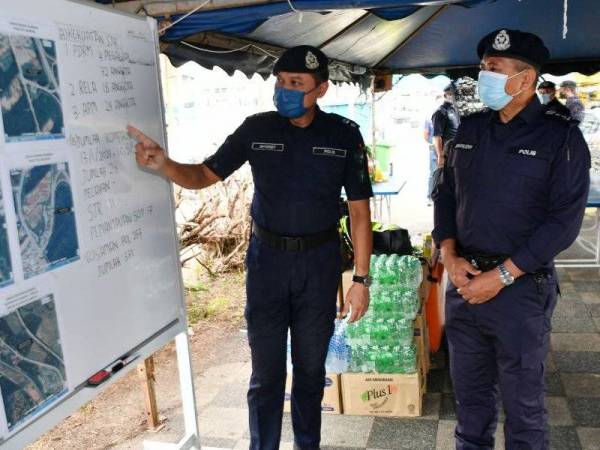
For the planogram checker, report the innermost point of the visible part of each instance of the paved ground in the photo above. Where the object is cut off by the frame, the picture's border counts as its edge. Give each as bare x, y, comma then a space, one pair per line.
572, 397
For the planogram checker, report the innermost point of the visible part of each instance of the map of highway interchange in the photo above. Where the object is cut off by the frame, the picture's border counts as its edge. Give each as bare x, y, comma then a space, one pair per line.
45, 217
32, 370
29, 89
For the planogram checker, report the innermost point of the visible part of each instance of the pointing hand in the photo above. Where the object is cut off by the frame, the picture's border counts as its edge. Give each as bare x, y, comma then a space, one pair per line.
147, 152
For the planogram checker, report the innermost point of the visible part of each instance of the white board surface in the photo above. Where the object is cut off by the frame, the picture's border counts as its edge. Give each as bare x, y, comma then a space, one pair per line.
89, 269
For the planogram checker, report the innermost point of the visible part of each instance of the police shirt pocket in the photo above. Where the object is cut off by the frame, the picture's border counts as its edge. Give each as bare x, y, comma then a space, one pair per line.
461, 156
330, 162
460, 160
522, 179
535, 168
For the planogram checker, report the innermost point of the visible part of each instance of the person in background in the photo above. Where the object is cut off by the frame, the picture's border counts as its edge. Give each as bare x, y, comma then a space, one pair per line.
445, 123
300, 157
547, 91
428, 135
568, 91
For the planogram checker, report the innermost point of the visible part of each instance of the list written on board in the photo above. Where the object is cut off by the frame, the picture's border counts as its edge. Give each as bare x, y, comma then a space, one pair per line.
113, 225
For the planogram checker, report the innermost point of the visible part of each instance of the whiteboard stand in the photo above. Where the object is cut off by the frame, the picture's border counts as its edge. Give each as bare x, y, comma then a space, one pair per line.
191, 438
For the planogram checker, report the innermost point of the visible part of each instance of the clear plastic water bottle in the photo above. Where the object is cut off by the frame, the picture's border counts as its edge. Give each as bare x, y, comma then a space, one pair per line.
379, 269
412, 274
391, 265
356, 359
408, 358
404, 332
409, 298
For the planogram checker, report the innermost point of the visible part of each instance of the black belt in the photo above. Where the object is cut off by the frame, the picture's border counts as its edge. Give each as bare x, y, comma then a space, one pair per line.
294, 243
483, 262
487, 263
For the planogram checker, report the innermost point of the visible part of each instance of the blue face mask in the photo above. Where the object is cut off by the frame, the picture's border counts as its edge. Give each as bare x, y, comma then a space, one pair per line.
289, 102
545, 98
492, 89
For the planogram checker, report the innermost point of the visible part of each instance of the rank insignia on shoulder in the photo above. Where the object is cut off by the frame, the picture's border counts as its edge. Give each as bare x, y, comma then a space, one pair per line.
558, 115
349, 122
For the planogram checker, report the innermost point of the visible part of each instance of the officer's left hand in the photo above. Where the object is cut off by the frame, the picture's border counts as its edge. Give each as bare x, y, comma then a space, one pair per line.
482, 288
357, 300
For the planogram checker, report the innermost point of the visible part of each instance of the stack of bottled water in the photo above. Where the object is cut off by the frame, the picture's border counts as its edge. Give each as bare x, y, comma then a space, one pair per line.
382, 341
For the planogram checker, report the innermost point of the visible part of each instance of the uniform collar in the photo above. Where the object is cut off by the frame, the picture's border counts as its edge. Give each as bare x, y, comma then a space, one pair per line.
317, 123
527, 114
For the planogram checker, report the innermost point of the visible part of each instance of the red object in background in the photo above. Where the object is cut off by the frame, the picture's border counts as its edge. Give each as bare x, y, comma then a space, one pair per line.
432, 309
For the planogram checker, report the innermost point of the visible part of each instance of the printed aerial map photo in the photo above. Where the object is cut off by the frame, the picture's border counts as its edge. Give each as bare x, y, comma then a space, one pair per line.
29, 89
45, 217
6, 276
32, 370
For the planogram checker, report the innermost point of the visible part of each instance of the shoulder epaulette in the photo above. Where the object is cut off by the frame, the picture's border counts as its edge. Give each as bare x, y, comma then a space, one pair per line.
564, 118
344, 120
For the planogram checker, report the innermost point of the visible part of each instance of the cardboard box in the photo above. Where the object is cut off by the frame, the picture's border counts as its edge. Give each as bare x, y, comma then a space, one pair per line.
386, 395
422, 342
332, 401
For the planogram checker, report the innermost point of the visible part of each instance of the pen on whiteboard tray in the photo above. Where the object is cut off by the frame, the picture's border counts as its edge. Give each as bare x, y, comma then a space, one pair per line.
122, 362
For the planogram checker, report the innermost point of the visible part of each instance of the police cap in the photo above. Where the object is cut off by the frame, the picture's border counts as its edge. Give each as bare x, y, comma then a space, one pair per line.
451, 88
547, 85
515, 44
568, 84
303, 59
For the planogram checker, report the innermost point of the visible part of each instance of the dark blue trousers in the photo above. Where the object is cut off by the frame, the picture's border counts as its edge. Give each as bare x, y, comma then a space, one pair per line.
295, 291
498, 349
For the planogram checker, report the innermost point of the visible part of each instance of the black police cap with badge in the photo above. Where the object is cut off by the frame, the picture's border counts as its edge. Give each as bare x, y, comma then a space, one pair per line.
515, 44
303, 59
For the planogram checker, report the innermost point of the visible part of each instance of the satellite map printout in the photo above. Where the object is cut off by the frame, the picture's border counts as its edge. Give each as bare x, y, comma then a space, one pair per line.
29, 89
6, 276
45, 217
32, 370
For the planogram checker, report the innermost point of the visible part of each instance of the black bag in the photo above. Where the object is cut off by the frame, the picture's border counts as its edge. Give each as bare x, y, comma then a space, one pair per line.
386, 241
392, 241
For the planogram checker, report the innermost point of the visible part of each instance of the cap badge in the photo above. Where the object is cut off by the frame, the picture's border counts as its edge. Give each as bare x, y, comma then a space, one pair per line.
502, 41
311, 61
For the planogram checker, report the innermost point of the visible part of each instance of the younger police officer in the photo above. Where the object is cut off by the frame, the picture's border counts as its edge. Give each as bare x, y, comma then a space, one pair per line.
512, 197
445, 122
301, 158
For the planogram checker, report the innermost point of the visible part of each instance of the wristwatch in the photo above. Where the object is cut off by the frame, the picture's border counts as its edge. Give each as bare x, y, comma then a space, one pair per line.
505, 276
366, 280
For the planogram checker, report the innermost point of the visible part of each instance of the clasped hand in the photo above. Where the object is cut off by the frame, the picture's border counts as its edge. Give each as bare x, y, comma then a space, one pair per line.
473, 285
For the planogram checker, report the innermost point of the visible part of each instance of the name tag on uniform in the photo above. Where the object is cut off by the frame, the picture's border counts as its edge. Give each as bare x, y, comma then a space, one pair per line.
528, 152
463, 146
268, 147
327, 151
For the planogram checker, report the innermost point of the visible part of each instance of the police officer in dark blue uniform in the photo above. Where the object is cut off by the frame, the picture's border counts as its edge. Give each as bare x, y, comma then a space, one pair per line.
512, 197
445, 120
300, 158
547, 91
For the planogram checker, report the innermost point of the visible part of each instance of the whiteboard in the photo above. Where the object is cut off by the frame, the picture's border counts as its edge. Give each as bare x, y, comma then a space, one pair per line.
89, 267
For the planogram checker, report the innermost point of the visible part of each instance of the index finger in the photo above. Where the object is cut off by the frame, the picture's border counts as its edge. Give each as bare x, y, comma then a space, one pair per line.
140, 137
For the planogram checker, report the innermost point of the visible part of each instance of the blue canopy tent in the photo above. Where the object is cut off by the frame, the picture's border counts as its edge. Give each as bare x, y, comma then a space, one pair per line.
363, 37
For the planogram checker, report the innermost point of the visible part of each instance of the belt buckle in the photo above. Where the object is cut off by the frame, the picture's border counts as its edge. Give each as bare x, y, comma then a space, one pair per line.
474, 263
293, 244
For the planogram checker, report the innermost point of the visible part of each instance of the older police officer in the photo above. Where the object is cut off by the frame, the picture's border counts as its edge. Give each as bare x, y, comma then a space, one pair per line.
300, 159
512, 197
